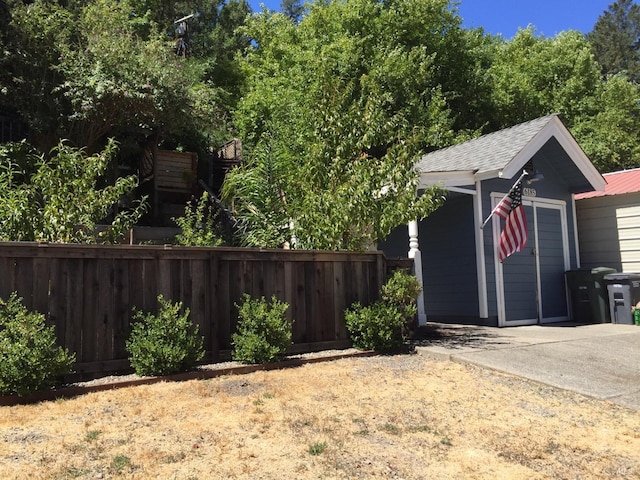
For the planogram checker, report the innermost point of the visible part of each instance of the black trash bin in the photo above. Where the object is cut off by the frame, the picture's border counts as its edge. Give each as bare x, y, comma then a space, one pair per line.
624, 293
588, 294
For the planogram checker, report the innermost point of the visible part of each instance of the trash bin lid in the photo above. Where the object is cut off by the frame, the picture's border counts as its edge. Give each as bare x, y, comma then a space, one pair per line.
603, 270
619, 277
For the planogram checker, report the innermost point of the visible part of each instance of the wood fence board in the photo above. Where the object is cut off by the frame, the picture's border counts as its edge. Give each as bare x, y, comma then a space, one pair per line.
287, 285
70, 276
219, 308
199, 287
340, 299
323, 324
309, 287
103, 330
298, 303
89, 310
41, 285
151, 286
122, 311
88, 291
5, 288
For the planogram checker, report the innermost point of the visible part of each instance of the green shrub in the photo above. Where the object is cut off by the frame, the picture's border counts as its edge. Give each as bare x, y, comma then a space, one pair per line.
402, 289
198, 225
164, 343
264, 334
382, 325
30, 360
375, 327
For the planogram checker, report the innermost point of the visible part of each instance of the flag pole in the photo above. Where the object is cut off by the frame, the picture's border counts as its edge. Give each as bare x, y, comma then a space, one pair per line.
524, 174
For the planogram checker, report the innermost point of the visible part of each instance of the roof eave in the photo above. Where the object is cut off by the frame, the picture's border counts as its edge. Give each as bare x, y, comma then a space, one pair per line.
446, 179
555, 128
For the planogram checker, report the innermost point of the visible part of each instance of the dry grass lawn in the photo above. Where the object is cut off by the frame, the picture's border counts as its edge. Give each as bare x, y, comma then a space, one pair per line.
402, 416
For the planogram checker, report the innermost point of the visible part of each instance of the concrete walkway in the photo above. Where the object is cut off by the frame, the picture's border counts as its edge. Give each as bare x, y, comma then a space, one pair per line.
601, 360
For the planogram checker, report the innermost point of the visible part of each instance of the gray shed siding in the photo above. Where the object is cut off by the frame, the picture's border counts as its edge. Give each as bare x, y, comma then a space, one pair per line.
551, 163
609, 229
449, 261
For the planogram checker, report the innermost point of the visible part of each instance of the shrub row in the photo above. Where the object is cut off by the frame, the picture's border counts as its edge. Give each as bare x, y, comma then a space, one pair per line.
168, 342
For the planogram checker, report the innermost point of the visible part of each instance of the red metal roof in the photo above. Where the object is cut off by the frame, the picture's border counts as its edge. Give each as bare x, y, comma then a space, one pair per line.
626, 181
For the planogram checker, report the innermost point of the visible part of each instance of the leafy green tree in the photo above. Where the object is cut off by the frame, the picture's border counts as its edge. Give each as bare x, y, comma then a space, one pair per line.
88, 71
59, 198
292, 9
336, 112
611, 135
533, 76
616, 39
32, 36
117, 81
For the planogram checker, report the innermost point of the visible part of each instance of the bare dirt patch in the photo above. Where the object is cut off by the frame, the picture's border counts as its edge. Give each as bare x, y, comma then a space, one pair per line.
400, 416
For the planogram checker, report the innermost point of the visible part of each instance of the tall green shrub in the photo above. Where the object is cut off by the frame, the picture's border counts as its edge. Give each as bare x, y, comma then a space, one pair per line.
264, 334
374, 327
381, 326
30, 360
165, 343
198, 225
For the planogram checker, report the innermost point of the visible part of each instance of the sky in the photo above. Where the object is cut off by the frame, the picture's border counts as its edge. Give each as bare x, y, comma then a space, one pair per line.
505, 17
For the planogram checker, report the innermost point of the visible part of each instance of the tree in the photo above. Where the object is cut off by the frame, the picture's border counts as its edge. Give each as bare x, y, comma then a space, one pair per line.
533, 76
292, 9
89, 71
616, 39
336, 112
611, 134
59, 198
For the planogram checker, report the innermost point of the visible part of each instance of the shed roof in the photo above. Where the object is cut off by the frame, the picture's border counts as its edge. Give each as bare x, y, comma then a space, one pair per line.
487, 153
503, 153
618, 183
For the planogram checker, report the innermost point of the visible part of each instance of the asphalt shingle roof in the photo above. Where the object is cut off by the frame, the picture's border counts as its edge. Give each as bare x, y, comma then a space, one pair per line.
486, 153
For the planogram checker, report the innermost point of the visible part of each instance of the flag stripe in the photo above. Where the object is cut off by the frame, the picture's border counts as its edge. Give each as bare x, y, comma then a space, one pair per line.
515, 233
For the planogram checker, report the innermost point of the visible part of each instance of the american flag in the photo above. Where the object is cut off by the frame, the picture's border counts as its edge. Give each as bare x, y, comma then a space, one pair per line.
514, 234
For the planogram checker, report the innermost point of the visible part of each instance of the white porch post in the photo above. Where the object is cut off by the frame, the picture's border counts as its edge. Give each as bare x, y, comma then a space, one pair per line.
414, 252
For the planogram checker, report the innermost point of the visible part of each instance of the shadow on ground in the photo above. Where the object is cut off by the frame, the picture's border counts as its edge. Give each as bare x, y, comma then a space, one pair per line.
456, 336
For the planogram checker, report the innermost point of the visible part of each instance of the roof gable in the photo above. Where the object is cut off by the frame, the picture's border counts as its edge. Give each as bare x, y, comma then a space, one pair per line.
502, 154
618, 183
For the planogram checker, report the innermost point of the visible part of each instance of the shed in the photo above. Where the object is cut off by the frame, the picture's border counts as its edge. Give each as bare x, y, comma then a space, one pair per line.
609, 223
455, 257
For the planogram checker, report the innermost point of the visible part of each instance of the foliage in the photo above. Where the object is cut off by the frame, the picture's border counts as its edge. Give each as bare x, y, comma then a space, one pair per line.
402, 289
165, 343
614, 39
380, 326
59, 198
117, 80
609, 135
293, 9
30, 360
198, 226
87, 71
336, 111
263, 334
535, 76
375, 327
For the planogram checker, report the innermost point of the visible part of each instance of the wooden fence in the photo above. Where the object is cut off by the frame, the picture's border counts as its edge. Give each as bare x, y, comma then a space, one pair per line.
88, 292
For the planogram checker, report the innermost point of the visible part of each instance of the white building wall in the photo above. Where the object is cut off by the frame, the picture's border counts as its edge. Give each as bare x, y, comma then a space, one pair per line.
609, 232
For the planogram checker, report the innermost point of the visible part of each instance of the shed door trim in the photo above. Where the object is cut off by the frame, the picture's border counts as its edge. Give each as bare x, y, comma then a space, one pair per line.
534, 203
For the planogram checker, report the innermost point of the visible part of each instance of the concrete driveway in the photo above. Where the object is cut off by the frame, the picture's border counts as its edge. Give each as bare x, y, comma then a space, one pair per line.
599, 360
